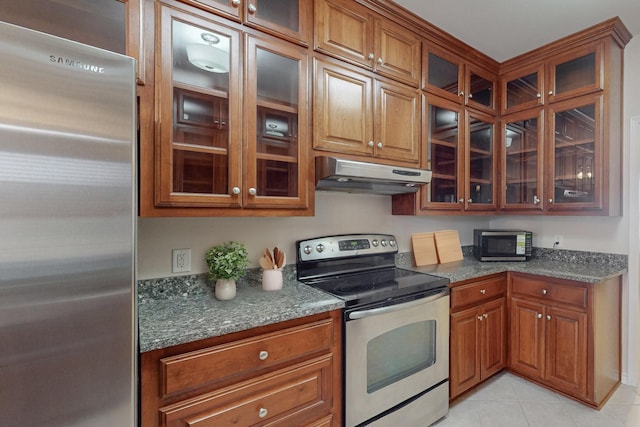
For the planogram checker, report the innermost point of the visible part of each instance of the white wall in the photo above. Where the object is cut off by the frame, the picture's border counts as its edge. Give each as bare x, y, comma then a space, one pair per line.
336, 213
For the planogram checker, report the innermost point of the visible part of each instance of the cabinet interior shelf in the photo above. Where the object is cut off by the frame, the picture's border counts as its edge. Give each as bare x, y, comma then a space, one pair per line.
485, 153
277, 158
444, 143
575, 144
516, 151
200, 148
443, 176
474, 181
201, 90
278, 106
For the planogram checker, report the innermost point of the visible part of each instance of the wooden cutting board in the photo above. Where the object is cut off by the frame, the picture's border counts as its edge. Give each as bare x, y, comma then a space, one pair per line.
448, 246
424, 249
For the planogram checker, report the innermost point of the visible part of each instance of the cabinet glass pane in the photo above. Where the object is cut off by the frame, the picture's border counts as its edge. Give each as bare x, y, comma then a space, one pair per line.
277, 122
443, 74
521, 159
522, 90
203, 173
284, 13
200, 109
480, 161
200, 57
481, 90
581, 72
574, 155
443, 154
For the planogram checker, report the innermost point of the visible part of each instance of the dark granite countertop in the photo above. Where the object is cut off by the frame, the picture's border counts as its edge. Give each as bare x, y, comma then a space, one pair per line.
178, 310
586, 267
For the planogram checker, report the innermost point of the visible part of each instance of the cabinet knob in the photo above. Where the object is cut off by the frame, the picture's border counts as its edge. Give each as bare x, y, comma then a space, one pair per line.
483, 291
550, 200
470, 200
548, 317
263, 355
461, 93
470, 96
236, 2
538, 95
536, 201
262, 412
539, 316
480, 318
235, 190
379, 61
485, 315
253, 191
252, 8
370, 144
550, 92
461, 200
379, 145
371, 55
544, 292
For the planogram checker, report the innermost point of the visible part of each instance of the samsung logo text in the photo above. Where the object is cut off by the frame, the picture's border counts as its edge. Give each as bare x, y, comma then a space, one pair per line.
77, 64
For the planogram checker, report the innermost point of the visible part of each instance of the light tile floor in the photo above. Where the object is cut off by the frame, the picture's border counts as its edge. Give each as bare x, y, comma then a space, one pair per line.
509, 401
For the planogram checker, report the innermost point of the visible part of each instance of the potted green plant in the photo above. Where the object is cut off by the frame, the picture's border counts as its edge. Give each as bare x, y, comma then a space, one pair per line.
227, 263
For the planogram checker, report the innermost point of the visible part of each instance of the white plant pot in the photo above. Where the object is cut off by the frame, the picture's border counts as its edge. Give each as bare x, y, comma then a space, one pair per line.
225, 289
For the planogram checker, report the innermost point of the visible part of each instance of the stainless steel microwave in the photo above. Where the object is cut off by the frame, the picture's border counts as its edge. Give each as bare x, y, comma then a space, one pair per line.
502, 245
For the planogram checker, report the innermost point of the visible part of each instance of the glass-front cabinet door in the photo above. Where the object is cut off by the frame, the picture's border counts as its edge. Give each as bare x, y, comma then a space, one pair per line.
276, 140
522, 157
480, 90
480, 162
444, 151
522, 89
199, 136
443, 74
577, 74
291, 18
575, 150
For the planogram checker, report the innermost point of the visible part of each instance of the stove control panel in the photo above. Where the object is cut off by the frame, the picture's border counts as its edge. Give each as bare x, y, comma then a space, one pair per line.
345, 245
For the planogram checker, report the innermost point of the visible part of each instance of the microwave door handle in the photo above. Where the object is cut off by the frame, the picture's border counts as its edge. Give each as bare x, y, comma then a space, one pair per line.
391, 308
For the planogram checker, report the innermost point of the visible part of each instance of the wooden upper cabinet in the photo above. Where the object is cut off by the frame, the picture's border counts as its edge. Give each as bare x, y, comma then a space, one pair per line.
522, 89
199, 136
449, 76
575, 73
480, 164
290, 19
352, 32
359, 115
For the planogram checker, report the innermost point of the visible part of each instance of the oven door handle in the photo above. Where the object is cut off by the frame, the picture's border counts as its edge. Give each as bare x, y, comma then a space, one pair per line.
391, 308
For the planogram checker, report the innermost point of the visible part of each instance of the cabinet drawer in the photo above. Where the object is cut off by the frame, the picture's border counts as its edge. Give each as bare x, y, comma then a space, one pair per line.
477, 292
292, 396
546, 290
192, 370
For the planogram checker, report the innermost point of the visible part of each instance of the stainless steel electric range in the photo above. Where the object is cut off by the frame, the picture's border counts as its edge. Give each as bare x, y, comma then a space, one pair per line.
395, 329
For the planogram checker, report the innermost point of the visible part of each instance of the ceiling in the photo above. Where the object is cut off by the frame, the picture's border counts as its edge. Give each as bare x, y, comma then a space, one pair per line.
503, 29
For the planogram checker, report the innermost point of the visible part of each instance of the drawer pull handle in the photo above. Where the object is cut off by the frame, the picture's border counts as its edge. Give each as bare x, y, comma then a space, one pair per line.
263, 355
544, 292
483, 291
539, 316
263, 412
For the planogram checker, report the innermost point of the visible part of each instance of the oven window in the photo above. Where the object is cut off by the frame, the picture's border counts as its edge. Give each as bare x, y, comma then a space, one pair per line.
400, 353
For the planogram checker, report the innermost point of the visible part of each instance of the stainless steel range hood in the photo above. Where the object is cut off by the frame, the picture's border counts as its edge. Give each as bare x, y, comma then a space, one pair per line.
334, 174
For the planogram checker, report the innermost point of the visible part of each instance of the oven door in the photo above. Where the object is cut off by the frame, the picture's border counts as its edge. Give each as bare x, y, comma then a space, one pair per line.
393, 354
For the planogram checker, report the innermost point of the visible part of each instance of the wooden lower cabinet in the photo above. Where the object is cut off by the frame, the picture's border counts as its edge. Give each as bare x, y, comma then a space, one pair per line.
566, 335
478, 333
288, 374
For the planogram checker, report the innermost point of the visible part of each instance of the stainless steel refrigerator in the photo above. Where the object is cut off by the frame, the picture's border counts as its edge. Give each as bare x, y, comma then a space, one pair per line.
67, 233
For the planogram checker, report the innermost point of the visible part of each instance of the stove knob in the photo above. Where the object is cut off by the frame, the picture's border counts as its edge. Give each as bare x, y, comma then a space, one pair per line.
383, 242
307, 249
392, 243
320, 247
374, 242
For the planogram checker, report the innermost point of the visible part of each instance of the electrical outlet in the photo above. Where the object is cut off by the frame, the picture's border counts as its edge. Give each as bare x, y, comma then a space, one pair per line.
557, 240
181, 260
